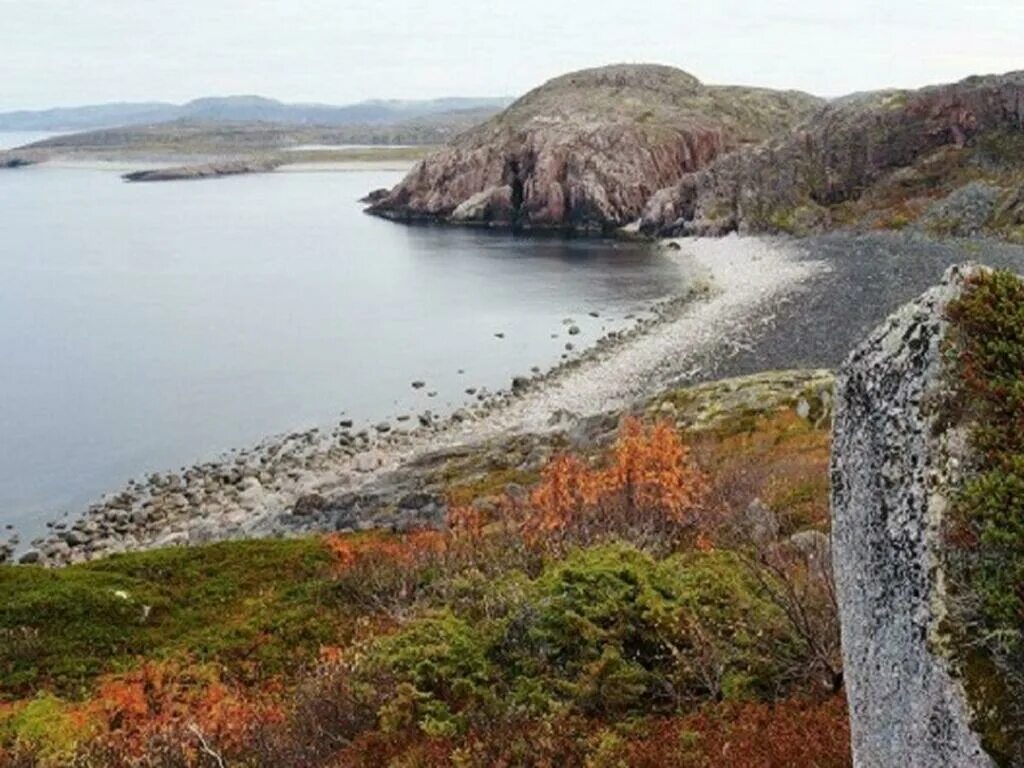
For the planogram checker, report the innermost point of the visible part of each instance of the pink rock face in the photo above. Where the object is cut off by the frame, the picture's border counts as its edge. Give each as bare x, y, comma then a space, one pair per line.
586, 151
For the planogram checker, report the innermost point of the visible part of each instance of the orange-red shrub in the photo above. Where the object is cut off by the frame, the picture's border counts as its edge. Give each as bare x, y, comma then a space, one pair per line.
649, 492
381, 572
351, 552
175, 706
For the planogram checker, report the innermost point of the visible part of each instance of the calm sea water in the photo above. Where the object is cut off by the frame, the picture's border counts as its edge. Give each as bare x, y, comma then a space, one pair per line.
145, 327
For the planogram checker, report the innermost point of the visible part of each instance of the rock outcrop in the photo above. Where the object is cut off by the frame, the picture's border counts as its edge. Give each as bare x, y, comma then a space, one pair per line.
206, 170
586, 150
12, 160
894, 471
861, 155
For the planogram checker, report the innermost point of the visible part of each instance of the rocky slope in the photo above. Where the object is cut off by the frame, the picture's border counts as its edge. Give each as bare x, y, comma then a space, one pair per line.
949, 158
898, 468
586, 150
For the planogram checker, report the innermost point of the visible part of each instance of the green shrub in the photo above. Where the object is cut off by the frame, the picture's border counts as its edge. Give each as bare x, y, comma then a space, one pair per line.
985, 527
439, 672
42, 727
606, 631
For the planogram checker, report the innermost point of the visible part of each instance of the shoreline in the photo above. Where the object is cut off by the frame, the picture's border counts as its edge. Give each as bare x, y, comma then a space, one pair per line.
128, 166
154, 164
260, 490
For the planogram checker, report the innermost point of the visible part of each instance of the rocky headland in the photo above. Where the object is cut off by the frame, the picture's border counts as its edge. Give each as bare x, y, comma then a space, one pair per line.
651, 149
948, 158
585, 151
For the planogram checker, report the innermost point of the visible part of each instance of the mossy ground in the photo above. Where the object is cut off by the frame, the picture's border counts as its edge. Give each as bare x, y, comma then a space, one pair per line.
258, 608
985, 529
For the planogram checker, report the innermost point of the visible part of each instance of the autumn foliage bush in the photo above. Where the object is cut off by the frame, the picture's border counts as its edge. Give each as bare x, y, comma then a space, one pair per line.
381, 573
649, 492
595, 620
158, 715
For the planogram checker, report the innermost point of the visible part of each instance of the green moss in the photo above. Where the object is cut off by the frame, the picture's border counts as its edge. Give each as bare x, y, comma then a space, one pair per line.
1003, 149
798, 221
943, 226
43, 727
897, 222
253, 606
783, 221
895, 101
493, 483
985, 528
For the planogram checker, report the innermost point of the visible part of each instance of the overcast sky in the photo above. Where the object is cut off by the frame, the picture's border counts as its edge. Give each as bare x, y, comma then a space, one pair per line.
68, 52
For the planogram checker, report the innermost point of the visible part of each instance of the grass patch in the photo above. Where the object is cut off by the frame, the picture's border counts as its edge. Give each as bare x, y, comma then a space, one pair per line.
490, 484
355, 155
257, 607
781, 459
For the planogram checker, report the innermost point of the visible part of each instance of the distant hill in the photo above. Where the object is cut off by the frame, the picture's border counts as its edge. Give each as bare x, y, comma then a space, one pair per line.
240, 109
586, 150
196, 140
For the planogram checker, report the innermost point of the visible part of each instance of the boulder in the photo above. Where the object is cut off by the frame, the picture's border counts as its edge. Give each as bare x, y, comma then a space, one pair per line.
309, 505
491, 204
893, 472
31, 557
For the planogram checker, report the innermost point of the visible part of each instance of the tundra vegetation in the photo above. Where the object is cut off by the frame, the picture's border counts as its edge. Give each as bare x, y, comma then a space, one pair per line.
665, 600
985, 564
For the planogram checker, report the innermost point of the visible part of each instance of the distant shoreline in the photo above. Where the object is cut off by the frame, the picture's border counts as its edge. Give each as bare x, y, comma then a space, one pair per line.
126, 166
146, 165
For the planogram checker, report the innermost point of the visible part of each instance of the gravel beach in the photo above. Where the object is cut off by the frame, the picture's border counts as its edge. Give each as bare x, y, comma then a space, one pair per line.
728, 283
750, 305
